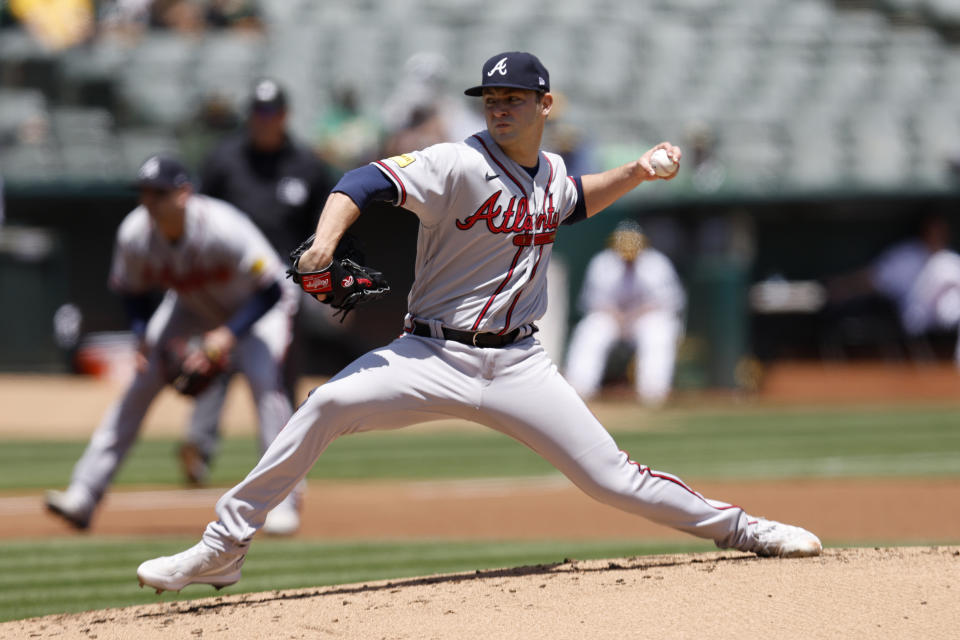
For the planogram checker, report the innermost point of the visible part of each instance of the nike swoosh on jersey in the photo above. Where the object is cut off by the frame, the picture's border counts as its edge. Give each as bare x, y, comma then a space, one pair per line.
491, 176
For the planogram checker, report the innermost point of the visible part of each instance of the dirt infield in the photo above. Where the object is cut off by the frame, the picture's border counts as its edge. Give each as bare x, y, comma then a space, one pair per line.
846, 593
839, 511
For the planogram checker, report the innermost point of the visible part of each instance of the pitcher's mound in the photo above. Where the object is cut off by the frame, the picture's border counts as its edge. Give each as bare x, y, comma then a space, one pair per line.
909, 592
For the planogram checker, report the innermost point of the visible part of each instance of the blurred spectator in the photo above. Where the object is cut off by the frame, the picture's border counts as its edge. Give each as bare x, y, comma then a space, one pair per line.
182, 16
124, 17
707, 172
132, 17
281, 184
953, 164
631, 293
214, 118
345, 137
56, 24
6, 17
563, 137
919, 275
421, 111
233, 14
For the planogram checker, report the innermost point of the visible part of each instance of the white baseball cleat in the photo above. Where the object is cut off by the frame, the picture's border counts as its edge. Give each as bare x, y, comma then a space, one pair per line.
197, 565
770, 538
282, 520
76, 507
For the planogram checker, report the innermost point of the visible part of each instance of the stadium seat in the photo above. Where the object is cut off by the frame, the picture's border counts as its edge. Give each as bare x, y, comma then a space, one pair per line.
138, 144
632, 71
936, 127
816, 159
881, 156
945, 12
31, 163
17, 106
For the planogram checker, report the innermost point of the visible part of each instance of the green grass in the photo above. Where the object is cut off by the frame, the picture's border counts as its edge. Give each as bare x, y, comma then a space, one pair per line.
77, 574
915, 441
71, 575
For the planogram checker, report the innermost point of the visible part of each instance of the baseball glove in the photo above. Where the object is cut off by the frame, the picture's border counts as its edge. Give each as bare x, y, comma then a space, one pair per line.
189, 368
345, 281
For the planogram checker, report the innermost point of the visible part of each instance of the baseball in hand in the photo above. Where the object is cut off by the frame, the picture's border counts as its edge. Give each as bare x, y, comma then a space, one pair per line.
662, 164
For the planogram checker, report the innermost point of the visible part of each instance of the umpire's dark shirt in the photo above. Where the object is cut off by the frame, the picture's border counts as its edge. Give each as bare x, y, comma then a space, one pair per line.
281, 191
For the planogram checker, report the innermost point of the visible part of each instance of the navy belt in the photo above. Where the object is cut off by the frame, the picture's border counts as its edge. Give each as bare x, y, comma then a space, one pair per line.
473, 338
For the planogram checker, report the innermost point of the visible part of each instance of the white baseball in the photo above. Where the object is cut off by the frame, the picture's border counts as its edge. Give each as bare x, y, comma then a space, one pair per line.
662, 164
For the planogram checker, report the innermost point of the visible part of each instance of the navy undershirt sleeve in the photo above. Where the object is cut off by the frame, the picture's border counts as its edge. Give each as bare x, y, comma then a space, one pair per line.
139, 308
366, 184
580, 211
253, 310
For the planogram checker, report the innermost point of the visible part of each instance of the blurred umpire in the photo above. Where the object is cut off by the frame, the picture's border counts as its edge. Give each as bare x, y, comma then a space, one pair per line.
281, 184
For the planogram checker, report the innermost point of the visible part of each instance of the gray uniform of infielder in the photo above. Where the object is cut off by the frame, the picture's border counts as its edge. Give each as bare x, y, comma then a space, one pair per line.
486, 233
210, 273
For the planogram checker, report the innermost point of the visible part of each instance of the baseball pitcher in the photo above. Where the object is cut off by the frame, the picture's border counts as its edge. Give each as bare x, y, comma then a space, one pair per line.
490, 210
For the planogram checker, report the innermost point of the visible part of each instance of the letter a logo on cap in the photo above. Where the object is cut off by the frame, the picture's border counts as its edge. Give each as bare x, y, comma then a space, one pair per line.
150, 169
500, 67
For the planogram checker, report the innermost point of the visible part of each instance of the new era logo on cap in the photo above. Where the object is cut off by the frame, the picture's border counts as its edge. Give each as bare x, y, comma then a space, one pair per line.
513, 69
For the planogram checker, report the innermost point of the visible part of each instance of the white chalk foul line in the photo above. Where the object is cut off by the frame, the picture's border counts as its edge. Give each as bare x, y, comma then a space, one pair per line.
200, 498
124, 501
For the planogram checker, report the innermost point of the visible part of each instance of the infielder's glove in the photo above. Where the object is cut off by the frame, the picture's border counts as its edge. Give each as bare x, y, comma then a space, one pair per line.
189, 368
345, 281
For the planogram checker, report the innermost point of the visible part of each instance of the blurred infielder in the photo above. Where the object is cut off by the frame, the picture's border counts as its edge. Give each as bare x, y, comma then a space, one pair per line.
489, 208
222, 280
630, 292
280, 183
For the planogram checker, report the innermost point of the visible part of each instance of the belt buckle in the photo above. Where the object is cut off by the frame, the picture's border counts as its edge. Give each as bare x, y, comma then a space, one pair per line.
473, 339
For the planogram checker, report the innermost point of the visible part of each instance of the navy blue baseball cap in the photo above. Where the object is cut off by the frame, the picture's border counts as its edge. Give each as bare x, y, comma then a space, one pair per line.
162, 172
267, 97
513, 69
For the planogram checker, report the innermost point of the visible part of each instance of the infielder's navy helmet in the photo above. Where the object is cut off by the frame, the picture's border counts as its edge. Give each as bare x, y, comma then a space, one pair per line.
513, 69
162, 172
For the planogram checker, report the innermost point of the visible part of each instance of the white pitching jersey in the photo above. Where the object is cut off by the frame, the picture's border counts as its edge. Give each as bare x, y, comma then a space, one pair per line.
479, 208
221, 260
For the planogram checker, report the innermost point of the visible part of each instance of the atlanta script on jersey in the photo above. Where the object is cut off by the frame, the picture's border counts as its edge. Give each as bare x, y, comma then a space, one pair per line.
480, 209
